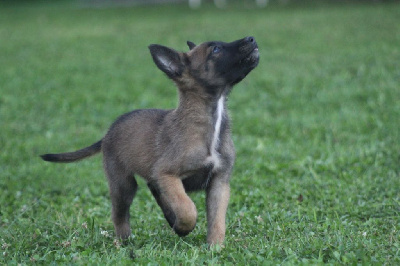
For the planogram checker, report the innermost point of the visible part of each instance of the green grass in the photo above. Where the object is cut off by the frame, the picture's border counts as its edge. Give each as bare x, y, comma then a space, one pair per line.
316, 129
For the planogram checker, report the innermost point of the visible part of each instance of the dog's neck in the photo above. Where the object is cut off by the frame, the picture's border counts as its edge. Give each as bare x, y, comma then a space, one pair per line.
195, 105
203, 116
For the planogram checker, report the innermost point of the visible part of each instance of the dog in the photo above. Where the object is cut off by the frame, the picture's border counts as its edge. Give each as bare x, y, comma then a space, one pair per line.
181, 150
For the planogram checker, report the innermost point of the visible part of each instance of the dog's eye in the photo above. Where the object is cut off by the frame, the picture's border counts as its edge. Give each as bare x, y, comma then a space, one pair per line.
216, 49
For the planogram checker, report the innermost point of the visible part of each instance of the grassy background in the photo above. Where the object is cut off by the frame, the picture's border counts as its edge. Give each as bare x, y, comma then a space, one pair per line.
316, 128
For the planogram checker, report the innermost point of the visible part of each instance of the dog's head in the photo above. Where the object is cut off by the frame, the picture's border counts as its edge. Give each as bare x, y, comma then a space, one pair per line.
213, 66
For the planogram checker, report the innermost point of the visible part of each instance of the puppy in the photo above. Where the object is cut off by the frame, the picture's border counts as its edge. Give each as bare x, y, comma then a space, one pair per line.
181, 150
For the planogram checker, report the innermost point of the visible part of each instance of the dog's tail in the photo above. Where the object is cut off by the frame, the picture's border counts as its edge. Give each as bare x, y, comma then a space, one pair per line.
69, 157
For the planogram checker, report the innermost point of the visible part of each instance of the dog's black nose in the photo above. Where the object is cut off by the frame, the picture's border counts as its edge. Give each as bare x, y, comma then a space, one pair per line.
250, 39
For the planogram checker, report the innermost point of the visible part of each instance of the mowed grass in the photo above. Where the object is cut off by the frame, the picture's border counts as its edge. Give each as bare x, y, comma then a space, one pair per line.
316, 129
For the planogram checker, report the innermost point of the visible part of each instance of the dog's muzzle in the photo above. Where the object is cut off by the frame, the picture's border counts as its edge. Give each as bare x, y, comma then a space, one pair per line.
250, 48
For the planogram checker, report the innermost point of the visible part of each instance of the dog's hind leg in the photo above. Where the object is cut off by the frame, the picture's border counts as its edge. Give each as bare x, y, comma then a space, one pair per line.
178, 208
123, 187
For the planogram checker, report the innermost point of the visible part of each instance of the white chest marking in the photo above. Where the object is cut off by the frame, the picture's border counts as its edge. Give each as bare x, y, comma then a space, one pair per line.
214, 157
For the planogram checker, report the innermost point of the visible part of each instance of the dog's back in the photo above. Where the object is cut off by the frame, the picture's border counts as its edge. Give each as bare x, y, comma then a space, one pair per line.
132, 140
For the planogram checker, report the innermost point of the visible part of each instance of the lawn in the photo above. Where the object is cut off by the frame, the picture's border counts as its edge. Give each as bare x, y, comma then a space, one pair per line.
316, 128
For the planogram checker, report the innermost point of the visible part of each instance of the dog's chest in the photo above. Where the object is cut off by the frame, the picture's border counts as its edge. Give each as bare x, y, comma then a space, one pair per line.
213, 157
200, 178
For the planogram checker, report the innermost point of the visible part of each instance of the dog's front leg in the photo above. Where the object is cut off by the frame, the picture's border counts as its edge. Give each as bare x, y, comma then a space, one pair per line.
217, 200
178, 208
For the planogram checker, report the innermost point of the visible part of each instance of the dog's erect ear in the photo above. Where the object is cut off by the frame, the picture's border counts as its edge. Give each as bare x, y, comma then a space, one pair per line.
167, 59
191, 45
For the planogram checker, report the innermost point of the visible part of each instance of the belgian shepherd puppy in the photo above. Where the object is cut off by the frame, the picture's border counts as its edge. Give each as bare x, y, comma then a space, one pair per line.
181, 150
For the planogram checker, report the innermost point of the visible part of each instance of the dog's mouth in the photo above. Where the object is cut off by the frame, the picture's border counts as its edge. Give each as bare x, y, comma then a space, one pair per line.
252, 57
248, 63
255, 54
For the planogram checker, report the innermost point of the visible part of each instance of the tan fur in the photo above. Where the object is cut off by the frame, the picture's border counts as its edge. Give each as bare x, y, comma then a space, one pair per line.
216, 212
173, 194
